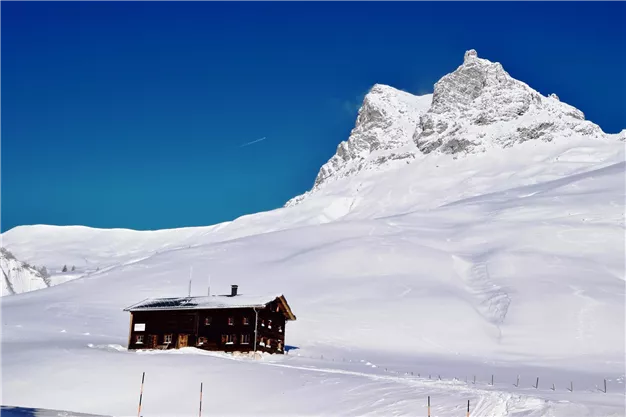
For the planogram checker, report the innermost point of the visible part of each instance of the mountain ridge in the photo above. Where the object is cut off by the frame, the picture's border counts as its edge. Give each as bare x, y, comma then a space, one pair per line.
472, 109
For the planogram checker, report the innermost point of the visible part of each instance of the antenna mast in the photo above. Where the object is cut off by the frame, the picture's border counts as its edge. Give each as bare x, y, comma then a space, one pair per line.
190, 274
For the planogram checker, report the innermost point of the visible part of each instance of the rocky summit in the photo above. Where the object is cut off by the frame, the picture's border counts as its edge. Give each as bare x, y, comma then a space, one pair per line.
477, 107
480, 105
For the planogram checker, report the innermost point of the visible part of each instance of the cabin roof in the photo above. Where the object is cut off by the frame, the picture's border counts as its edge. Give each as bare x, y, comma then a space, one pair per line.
210, 302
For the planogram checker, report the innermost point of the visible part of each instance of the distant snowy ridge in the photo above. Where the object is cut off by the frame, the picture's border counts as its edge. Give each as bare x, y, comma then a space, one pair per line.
477, 107
19, 277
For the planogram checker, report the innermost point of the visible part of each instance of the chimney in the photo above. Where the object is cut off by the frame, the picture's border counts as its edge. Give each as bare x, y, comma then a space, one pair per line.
233, 290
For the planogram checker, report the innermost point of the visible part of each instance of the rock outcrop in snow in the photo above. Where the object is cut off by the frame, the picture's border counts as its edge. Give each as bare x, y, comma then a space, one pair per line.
382, 134
19, 277
476, 107
480, 106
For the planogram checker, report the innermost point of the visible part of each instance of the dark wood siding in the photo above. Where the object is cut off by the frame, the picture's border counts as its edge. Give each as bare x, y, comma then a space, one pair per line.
229, 329
226, 329
272, 328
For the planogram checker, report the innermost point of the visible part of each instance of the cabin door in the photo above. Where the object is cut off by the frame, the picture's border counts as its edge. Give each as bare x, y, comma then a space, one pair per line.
152, 341
182, 340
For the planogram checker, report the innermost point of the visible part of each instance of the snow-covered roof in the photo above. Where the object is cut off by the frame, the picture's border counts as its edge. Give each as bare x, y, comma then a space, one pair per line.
209, 302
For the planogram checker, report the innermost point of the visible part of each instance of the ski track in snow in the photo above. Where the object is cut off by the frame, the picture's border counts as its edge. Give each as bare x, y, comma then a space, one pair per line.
490, 403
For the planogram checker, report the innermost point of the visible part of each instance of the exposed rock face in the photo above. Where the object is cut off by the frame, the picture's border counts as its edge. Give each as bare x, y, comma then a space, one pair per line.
18, 277
474, 108
480, 105
382, 135
386, 120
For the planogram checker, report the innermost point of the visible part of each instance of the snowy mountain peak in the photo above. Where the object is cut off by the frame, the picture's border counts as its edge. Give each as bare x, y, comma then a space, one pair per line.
476, 107
469, 55
386, 121
382, 135
480, 105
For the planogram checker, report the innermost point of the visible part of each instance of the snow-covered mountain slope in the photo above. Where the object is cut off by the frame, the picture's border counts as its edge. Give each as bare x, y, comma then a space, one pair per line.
506, 262
476, 108
514, 265
19, 277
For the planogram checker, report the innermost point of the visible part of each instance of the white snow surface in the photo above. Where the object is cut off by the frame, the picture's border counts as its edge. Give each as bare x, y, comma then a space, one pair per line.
505, 262
18, 277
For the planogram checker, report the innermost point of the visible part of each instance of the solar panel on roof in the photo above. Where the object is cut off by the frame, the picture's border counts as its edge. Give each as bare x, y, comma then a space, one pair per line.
205, 302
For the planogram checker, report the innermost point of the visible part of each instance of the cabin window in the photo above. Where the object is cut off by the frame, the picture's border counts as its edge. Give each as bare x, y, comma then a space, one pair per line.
167, 339
246, 321
262, 342
231, 321
268, 343
202, 341
269, 324
262, 323
224, 338
207, 321
280, 345
280, 329
231, 339
139, 339
245, 339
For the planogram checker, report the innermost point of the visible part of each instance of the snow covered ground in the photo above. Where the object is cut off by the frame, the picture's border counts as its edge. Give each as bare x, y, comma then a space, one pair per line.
510, 264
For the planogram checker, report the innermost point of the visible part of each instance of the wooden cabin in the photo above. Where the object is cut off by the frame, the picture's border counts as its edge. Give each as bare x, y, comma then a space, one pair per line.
234, 322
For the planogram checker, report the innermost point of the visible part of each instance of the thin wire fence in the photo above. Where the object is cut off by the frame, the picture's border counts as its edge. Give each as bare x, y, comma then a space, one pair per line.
406, 374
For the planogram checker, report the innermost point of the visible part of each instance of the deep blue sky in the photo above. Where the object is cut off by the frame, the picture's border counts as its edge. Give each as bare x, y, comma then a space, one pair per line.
119, 114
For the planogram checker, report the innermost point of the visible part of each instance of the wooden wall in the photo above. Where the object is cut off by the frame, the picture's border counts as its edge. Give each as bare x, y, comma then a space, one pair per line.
213, 329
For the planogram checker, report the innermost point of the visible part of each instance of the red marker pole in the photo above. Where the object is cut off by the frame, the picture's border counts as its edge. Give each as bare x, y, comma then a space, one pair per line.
429, 406
143, 377
200, 414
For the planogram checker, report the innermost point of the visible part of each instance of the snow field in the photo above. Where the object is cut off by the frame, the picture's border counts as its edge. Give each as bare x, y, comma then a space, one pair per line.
502, 266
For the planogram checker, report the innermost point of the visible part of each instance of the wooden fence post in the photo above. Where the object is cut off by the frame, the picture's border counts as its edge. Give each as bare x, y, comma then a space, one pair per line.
605, 385
200, 412
141, 394
537, 384
517, 384
492, 380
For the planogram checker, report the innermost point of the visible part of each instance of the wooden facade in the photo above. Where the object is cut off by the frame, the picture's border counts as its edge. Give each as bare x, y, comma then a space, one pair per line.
219, 323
